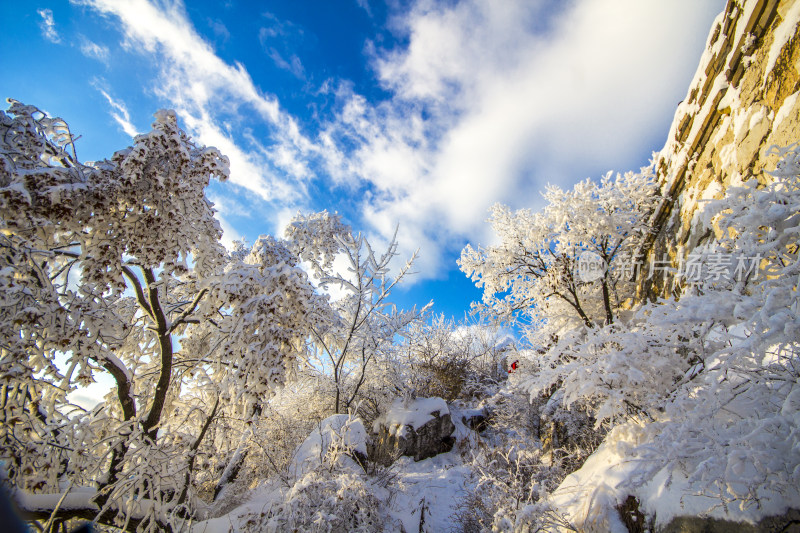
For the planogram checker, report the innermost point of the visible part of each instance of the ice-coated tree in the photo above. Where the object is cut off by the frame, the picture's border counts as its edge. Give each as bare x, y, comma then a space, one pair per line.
741, 317
116, 267
534, 268
450, 359
706, 389
568, 269
363, 322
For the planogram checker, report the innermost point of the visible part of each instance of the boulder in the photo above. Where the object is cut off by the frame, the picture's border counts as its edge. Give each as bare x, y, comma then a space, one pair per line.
420, 428
787, 522
475, 419
338, 438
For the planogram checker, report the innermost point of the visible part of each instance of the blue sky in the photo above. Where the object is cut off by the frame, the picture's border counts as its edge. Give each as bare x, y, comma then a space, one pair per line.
418, 113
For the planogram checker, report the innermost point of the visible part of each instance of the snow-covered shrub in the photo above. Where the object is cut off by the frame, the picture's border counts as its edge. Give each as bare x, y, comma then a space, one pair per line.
510, 473
704, 389
451, 359
627, 369
569, 435
321, 500
511, 469
269, 449
363, 323
337, 440
271, 443
492, 351
435, 360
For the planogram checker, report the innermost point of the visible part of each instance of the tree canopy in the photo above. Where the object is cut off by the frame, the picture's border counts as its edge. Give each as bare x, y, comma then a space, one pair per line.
534, 268
117, 267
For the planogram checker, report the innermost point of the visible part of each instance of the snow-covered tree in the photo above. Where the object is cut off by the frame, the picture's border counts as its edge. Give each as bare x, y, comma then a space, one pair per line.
450, 359
739, 310
363, 322
534, 268
116, 267
706, 389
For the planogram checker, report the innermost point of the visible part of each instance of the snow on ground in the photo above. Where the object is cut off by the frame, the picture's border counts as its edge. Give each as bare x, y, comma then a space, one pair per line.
589, 495
258, 501
415, 413
439, 483
432, 486
436, 484
345, 433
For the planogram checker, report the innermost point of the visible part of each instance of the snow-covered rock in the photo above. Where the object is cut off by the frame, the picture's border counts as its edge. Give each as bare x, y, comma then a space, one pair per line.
338, 438
420, 429
699, 524
742, 100
475, 419
590, 497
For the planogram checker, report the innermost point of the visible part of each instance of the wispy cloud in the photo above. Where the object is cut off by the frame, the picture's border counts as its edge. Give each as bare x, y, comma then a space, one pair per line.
48, 25
487, 102
219, 29
493, 100
292, 64
206, 91
119, 111
93, 50
277, 38
364, 4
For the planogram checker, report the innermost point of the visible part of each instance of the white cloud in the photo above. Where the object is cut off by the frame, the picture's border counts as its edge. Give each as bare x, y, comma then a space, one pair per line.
247, 168
282, 34
229, 234
488, 102
292, 65
219, 29
94, 50
203, 89
493, 100
48, 25
119, 111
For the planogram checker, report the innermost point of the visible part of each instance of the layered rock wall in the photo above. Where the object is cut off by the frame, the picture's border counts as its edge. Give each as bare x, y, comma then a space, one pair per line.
742, 100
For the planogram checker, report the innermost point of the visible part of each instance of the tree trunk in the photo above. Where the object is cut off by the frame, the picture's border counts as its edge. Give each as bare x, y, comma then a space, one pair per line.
607, 302
234, 466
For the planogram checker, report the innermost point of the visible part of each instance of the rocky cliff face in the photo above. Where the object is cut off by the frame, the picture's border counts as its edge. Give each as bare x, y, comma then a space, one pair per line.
742, 100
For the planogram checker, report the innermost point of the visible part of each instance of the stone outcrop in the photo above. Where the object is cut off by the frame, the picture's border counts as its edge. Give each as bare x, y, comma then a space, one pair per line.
635, 521
338, 438
743, 99
786, 523
476, 419
420, 429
